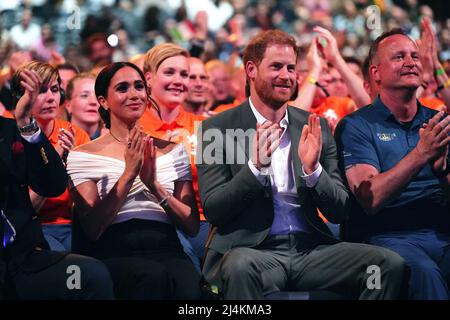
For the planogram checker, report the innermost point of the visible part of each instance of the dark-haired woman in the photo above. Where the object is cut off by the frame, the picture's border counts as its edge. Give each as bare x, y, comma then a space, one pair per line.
130, 192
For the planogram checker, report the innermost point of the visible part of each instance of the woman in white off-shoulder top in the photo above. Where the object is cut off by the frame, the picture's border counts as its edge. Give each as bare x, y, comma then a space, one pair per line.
131, 191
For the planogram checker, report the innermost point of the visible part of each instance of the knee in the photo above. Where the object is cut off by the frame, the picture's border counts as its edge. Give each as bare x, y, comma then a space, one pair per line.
144, 281
154, 276
393, 262
424, 267
237, 264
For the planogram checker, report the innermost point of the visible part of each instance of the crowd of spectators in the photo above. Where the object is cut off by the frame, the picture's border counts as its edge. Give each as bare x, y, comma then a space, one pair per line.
217, 27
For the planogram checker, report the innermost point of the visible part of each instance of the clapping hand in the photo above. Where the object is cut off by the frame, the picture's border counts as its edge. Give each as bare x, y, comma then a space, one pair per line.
148, 169
310, 145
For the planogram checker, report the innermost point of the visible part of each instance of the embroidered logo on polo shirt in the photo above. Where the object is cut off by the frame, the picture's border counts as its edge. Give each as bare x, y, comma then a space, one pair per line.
346, 154
386, 136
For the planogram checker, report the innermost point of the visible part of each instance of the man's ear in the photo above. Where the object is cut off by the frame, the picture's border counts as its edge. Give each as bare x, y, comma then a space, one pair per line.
251, 70
374, 73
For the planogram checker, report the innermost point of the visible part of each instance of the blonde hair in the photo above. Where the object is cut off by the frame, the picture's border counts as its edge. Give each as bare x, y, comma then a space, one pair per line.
156, 55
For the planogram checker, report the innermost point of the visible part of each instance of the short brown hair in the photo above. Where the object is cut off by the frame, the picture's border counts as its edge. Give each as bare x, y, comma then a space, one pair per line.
256, 48
45, 70
156, 55
375, 45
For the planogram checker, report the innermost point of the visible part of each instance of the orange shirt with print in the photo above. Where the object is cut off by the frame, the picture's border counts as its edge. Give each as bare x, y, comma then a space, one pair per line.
58, 210
433, 103
334, 109
181, 130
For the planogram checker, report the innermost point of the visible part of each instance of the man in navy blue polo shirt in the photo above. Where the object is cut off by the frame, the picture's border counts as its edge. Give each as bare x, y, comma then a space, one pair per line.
395, 156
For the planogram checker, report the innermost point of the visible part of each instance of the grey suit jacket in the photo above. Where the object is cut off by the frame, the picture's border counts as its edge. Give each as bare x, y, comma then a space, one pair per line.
237, 204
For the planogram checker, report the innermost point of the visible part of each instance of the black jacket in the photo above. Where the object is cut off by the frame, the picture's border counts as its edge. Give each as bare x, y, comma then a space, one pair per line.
22, 166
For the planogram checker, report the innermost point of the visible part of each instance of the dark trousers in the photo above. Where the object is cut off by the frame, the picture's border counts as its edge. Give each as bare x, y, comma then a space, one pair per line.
297, 263
59, 281
146, 261
427, 254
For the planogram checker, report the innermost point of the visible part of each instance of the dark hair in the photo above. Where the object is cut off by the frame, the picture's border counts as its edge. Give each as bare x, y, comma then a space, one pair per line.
353, 60
98, 36
68, 66
374, 47
365, 68
256, 48
103, 81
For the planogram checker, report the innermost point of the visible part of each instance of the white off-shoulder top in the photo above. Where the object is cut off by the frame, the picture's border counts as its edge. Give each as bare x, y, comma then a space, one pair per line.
140, 202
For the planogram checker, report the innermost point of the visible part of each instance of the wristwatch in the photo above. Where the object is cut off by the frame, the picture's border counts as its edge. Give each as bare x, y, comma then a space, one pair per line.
30, 128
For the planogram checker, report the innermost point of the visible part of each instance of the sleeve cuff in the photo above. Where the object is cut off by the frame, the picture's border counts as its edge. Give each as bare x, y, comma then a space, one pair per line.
313, 178
34, 138
258, 174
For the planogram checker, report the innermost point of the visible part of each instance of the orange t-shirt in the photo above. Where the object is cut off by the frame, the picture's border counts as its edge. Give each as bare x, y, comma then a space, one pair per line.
225, 107
181, 130
334, 109
58, 210
432, 103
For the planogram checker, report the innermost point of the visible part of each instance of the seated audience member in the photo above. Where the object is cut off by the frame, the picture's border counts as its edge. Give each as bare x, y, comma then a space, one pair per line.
131, 195
66, 72
198, 88
395, 156
28, 269
221, 86
314, 80
263, 198
82, 105
166, 69
55, 214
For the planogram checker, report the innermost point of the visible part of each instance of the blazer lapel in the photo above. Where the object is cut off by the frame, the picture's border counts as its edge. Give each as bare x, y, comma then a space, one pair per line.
295, 127
247, 121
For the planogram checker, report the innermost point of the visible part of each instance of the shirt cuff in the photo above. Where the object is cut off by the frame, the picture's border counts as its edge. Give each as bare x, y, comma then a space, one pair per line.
313, 178
34, 138
258, 174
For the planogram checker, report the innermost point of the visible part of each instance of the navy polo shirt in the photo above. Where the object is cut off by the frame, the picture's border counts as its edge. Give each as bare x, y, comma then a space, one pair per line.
373, 136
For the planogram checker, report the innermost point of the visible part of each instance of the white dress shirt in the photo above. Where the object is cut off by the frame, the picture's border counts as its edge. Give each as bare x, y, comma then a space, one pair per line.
288, 214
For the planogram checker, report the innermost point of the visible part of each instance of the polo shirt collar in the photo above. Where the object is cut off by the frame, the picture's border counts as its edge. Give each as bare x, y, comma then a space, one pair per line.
176, 123
385, 114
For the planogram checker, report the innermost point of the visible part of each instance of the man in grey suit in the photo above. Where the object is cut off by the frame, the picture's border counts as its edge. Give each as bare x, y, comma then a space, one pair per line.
261, 193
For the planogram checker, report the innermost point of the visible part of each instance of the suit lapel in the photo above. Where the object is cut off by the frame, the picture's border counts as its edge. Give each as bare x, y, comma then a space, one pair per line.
247, 121
296, 123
